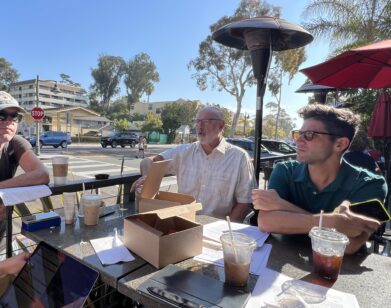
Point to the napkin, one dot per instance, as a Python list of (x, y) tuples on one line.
[(12, 196), (111, 250)]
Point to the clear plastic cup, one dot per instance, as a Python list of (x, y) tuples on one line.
[(69, 207), (237, 257), (328, 248), (60, 169)]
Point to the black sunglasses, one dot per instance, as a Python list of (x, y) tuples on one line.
[(15, 116), (308, 134)]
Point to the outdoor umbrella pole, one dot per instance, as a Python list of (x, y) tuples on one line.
[(261, 60)]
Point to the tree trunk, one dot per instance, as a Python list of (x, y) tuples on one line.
[(239, 100)]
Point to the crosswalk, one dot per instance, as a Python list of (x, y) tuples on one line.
[(87, 168)]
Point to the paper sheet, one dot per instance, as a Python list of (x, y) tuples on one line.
[(278, 290), (111, 250), (214, 230), (12, 196)]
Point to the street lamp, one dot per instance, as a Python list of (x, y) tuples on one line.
[(55, 89)]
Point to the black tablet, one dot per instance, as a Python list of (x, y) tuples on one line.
[(50, 278), (372, 208)]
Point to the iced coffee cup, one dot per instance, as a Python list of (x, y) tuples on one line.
[(237, 251), (328, 248), (60, 169), (69, 207), (90, 208)]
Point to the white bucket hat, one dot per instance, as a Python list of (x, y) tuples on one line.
[(7, 101)]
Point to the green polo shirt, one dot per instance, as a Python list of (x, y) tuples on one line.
[(292, 182)]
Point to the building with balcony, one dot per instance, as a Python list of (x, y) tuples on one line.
[(51, 94)]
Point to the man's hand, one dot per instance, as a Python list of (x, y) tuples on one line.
[(136, 184), (351, 224), (13, 265), (269, 200)]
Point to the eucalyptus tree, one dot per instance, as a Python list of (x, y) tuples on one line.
[(140, 76), (107, 77), (8, 74), (224, 68)]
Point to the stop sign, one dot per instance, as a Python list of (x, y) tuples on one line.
[(37, 113)]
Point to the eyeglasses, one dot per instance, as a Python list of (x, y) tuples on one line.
[(15, 116), (204, 121), (309, 134)]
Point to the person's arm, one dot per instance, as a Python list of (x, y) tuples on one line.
[(13, 265), (239, 211), (245, 184), (358, 228), (35, 172)]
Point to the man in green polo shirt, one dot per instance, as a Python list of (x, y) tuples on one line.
[(320, 180)]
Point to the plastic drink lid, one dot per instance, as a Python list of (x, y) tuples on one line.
[(328, 234)]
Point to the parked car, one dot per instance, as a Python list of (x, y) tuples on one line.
[(249, 146), (93, 133), (278, 146), (119, 138), (52, 138)]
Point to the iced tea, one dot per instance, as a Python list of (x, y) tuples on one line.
[(327, 267), (236, 274)]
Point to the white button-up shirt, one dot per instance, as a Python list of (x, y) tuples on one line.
[(218, 180)]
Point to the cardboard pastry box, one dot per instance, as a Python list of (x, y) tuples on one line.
[(152, 199), (163, 237)]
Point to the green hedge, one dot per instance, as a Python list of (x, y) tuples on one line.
[(86, 139)]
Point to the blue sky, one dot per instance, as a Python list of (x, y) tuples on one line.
[(53, 37)]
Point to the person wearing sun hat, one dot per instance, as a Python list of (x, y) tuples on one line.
[(15, 151)]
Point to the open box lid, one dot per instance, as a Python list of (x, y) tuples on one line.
[(176, 210), (154, 178)]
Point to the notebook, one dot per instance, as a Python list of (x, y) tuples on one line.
[(178, 287), (50, 278)]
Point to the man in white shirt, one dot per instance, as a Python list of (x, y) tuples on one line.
[(216, 173)]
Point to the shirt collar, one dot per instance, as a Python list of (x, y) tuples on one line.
[(300, 174), (221, 148)]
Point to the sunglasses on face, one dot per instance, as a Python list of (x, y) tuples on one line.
[(204, 121), (14, 116), (309, 134)]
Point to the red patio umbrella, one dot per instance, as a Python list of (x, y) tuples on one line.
[(380, 125), (366, 67)]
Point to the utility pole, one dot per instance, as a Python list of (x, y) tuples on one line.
[(37, 143)]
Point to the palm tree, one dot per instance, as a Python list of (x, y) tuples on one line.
[(345, 22)]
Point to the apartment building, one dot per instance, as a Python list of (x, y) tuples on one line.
[(51, 94), (155, 107)]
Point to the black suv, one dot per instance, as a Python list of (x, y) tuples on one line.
[(119, 138)]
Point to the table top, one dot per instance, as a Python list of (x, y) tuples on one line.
[(367, 276), (129, 284), (68, 238)]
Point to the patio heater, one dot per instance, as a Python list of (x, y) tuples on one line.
[(320, 92), (261, 36)]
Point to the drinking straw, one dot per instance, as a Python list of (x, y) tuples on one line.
[(321, 220), (84, 188), (232, 237), (122, 164)]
